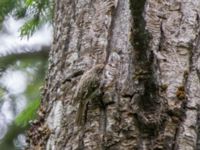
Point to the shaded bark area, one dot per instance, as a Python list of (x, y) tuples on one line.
[(150, 82)]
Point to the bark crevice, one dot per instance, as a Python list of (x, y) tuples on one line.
[(149, 111)]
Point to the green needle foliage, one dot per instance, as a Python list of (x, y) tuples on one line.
[(6, 6), (36, 13)]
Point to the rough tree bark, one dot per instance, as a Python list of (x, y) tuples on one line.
[(150, 85)]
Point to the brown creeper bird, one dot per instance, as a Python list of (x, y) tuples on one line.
[(87, 89)]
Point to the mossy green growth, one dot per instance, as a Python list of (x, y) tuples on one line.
[(28, 114), (141, 75)]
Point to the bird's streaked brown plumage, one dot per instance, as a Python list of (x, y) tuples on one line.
[(86, 88)]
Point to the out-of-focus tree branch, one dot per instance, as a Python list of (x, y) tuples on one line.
[(10, 58)]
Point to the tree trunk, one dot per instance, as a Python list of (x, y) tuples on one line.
[(149, 88)]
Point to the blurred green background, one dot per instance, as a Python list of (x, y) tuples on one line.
[(21, 78), (25, 38)]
